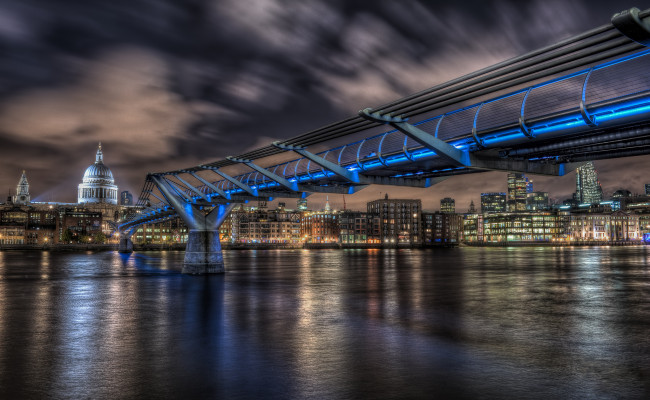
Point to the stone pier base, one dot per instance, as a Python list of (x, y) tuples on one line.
[(126, 245), (203, 253)]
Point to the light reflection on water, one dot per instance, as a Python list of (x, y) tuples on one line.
[(461, 323)]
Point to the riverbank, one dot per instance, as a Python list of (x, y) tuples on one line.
[(309, 246), (555, 244)]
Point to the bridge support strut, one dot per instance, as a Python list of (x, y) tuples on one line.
[(203, 252)]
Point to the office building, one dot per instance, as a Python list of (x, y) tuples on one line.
[(493, 202), (588, 189), (517, 192), (537, 201), (126, 198), (447, 205)]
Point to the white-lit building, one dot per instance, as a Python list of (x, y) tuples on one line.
[(588, 189), (614, 226), (98, 185), (22, 191)]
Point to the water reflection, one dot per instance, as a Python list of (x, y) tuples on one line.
[(461, 323)]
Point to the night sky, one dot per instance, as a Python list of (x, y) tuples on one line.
[(170, 84)]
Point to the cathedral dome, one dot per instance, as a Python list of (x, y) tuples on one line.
[(98, 185), (98, 172)]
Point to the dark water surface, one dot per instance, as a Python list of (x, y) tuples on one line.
[(536, 323)]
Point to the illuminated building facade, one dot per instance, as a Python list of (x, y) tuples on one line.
[(126, 198), (493, 202), (515, 227), (614, 226), (447, 205), (166, 232), (27, 225), (82, 223), (280, 226), (399, 220), (517, 191), (320, 227), (358, 227), (473, 227), (537, 201), (302, 204), (98, 185), (588, 189), (22, 191), (441, 228)]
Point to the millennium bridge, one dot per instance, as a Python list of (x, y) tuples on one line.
[(584, 98)]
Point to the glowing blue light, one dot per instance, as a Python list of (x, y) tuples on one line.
[(622, 113), (499, 139), (558, 126), (393, 160), (646, 237)]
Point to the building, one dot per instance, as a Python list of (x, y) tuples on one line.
[(537, 201), (493, 202), (358, 227), (98, 185), (259, 225), (22, 191), (82, 225), (472, 208), (27, 225), (302, 204), (320, 227), (526, 226), (647, 189), (621, 194), (473, 227), (588, 189), (612, 226), (517, 192), (126, 198), (448, 205), (165, 232), (440, 228), (399, 220)]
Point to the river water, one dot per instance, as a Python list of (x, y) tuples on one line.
[(535, 323)]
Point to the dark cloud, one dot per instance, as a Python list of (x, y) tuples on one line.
[(168, 84)]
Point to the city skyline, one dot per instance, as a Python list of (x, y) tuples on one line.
[(509, 178), (159, 98)]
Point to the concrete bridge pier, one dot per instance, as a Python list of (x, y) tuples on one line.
[(203, 253), (126, 245)]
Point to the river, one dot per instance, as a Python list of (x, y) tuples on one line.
[(471, 322)]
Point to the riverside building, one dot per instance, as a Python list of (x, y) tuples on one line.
[(440, 228), (259, 225), (358, 227), (399, 220)]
